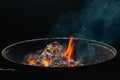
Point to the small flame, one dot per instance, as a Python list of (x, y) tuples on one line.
[(45, 62), (68, 52), (30, 59), (31, 62)]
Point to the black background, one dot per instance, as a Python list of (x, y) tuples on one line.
[(28, 19)]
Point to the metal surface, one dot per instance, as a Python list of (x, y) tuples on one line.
[(87, 51)]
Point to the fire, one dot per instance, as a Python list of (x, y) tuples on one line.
[(31, 62), (68, 52), (29, 59), (45, 62), (52, 53)]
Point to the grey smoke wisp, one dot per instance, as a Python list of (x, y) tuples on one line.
[(98, 20)]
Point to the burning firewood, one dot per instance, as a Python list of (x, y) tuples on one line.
[(54, 56)]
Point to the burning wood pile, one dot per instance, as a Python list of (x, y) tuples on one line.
[(53, 56)]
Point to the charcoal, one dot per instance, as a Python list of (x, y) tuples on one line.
[(53, 53), (57, 60)]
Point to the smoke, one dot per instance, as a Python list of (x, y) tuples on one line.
[(98, 20)]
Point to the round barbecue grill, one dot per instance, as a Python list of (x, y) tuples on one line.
[(88, 52)]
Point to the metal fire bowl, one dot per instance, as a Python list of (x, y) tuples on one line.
[(88, 52)]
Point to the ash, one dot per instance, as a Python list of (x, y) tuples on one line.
[(52, 57)]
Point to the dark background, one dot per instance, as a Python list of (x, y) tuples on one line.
[(28, 19)]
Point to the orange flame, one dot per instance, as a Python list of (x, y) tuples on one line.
[(68, 52), (31, 62), (45, 62)]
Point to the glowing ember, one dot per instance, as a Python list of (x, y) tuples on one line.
[(31, 62), (54, 56), (45, 62)]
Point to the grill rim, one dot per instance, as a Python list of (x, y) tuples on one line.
[(107, 46)]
